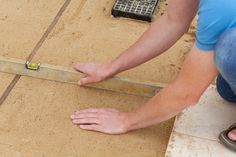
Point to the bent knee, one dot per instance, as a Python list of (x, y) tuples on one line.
[(225, 51)]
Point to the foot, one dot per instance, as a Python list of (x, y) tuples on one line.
[(232, 135)]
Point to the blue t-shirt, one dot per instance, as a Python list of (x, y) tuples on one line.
[(214, 17)]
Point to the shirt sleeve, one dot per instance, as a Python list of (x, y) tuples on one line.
[(208, 32), (214, 18)]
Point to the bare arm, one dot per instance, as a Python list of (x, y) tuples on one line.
[(197, 73), (160, 36)]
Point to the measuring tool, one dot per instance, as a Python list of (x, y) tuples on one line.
[(32, 66), (69, 75)]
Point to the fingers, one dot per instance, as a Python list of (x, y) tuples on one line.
[(86, 80), (105, 120), (88, 116), (86, 68), (92, 127), (80, 67), (93, 72), (86, 121), (83, 115)]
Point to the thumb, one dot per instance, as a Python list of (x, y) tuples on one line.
[(86, 80)]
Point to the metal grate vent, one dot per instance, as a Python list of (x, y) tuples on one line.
[(137, 9)]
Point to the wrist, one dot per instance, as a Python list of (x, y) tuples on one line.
[(112, 69), (129, 121)]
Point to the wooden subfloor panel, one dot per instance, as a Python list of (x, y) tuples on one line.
[(5, 80), (23, 22), (88, 33), (35, 121)]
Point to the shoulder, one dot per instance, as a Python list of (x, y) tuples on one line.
[(213, 19)]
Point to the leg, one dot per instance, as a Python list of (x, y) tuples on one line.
[(225, 90), (225, 58)]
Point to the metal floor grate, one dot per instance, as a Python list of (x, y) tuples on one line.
[(137, 9)]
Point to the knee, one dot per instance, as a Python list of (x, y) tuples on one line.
[(224, 90), (225, 51)]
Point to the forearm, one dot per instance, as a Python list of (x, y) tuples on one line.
[(160, 36), (183, 92), (165, 105)]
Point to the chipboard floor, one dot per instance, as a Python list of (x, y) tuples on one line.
[(35, 117)]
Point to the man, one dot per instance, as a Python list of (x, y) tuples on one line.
[(213, 52)]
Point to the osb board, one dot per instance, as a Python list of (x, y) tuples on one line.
[(35, 121), (88, 33), (196, 130), (5, 80), (23, 22)]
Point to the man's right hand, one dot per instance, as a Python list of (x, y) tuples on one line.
[(93, 72)]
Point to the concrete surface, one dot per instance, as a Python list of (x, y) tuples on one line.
[(196, 130)]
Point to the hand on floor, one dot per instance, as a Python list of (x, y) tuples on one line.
[(93, 72), (106, 120)]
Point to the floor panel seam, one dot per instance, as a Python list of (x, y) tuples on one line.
[(36, 48)]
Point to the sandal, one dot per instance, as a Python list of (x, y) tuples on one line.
[(225, 140)]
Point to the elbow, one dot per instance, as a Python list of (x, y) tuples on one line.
[(182, 25), (192, 100), (188, 99), (187, 95)]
